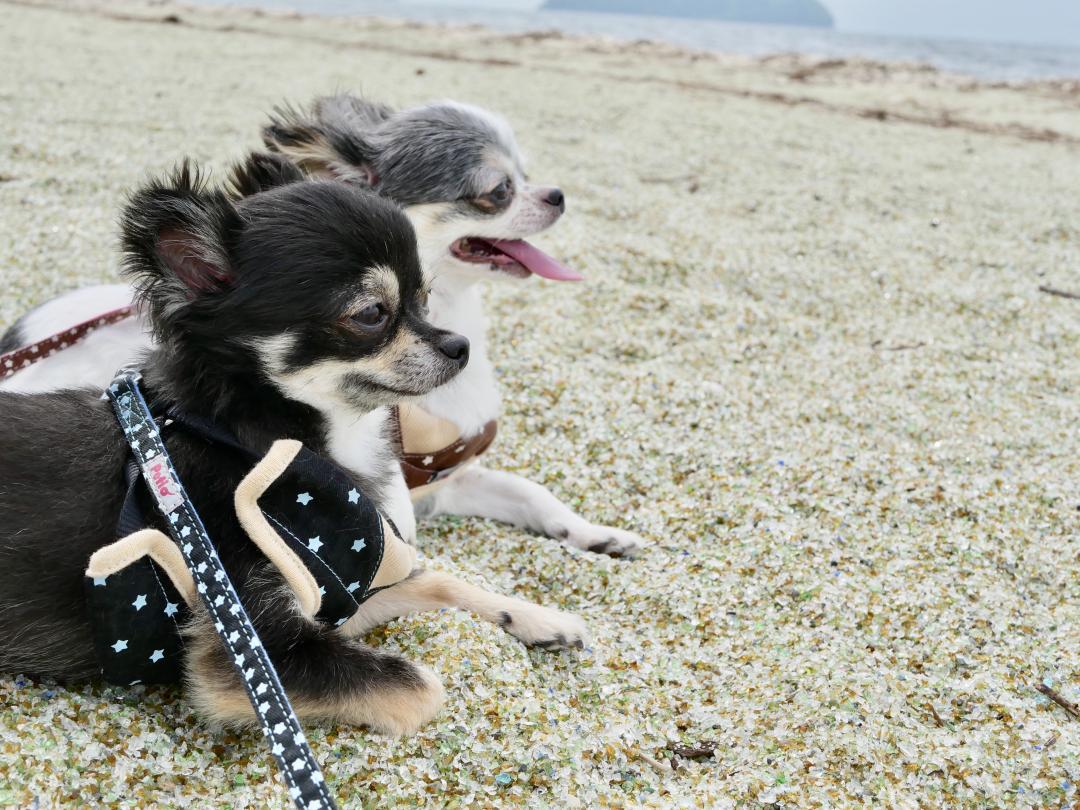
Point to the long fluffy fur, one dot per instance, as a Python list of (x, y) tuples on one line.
[(307, 245)]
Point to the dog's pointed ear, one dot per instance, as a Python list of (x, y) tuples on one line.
[(175, 234), (334, 139), (261, 171)]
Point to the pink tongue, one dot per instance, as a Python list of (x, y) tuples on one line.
[(536, 261)]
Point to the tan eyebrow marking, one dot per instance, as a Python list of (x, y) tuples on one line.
[(380, 285)]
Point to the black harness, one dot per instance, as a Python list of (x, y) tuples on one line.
[(313, 506)]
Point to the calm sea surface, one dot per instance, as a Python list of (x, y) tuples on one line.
[(984, 60)]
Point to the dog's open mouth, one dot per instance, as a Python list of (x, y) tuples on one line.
[(515, 257)]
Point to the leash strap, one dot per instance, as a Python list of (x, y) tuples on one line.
[(307, 787), (21, 358)]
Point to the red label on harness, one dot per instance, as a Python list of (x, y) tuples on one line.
[(163, 484)]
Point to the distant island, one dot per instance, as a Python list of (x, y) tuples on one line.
[(775, 12)]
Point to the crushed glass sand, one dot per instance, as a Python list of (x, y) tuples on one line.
[(811, 362)]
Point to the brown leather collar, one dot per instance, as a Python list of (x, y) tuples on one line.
[(421, 469)]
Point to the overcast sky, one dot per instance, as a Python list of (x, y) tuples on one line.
[(1050, 21)]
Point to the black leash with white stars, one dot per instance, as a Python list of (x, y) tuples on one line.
[(307, 788)]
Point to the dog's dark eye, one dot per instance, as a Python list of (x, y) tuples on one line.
[(370, 317), (497, 199), (501, 193)]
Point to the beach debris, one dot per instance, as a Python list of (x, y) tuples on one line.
[(1058, 292), (1071, 708), (899, 347), (693, 752), (682, 178), (937, 717)]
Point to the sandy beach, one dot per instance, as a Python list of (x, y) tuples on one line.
[(825, 359)]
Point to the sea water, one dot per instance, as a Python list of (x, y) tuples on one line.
[(992, 61)]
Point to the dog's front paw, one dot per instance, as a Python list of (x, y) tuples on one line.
[(607, 540), (401, 710), (546, 628)]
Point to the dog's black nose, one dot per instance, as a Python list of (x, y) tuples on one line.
[(555, 197), (455, 347)]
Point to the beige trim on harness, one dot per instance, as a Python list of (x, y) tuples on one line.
[(398, 559), (145, 542), (423, 432), (255, 483)]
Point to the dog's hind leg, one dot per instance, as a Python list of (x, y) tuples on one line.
[(427, 590), (326, 675), (479, 492)]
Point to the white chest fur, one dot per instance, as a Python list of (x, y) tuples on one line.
[(358, 443)]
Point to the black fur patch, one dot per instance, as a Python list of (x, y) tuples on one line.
[(13, 338), (262, 171)]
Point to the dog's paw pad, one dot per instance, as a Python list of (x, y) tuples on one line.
[(612, 542), (551, 643), (612, 547), (546, 628), (560, 642)]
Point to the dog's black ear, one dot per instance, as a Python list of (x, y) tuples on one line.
[(261, 171), (175, 234), (335, 138)]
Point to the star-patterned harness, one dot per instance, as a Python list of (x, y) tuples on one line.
[(303, 512)]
